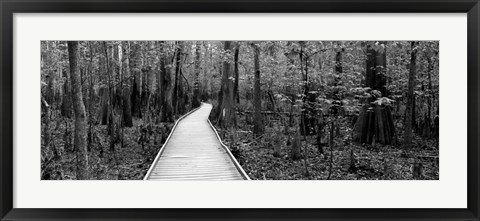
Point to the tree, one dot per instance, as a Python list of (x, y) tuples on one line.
[(410, 95), (196, 85), (258, 127), (430, 118), (164, 86), (375, 123), (178, 95), (127, 105), (235, 88), (50, 92), (146, 77), (80, 141), (226, 114), (66, 106), (107, 98), (135, 71), (307, 122)]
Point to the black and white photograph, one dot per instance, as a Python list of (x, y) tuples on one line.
[(239, 110)]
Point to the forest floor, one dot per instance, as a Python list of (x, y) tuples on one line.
[(380, 162), (130, 162), (256, 155)]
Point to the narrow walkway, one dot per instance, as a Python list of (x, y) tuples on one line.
[(193, 151)]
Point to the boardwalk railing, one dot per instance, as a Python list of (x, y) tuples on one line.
[(194, 151), (235, 162)]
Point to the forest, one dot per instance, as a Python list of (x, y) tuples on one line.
[(286, 110)]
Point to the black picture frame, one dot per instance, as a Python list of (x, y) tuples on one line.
[(9, 7)]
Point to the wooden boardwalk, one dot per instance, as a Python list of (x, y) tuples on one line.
[(194, 151)]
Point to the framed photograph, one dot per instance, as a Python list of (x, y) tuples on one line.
[(199, 110)]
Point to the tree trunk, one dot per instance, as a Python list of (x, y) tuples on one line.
[(307, 121), (104, 111), (146, 78), (182, 95), (219, 108), (127, 110), (110, 116), (66, 107), (320, 125), (135, 64), (127, 106), (165, 82), (337, 95), (227, 114), (375, 123), (146, 89), (258, 127), (80, 141), (338, 61), (296, 145), (410, 96), (46, 130), (177, 88), (50, 94), (429, 129), (165, 86), (235, 88), (51, 75), (196, 84), (332, 145)]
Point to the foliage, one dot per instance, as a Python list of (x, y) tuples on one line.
[(305, 85)]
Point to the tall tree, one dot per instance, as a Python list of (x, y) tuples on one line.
[(51, 75), (375, 123), (338, 61), (164, 86), (376, 67), (135, 71), (196, 84), (337, 91), (80, 141), (178, 100), (430, 127), (258, 127), (104, 111), (110, 110), (226, 109), (147, 78), (235, 88), (47, 98), (127, 105), (66, 106), (307, 123), (410, 95)]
